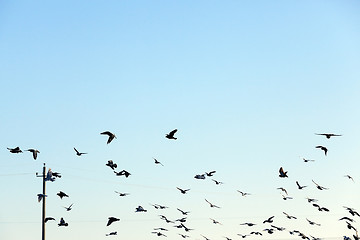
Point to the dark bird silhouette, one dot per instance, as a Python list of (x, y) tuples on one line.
[(320, 209), (215, 221), (15, 150), (347, 219), (157, 162), (56, 174), (62, 194), (200, 176), (160, 229), (159, 234), (286, 197), (123, 172), (111, 234), (205, 237), (308, 160), (212, 205), (349, 177), (79, 153), (210, 174), (171, 134), (183, 235), (69, 207), (352, 211), (217, 182), (269, 230), (319, 187), (244, 194), (111, 220), (282, 173), (323, 148), (181, 219), (299, 186), (183, 212), (185, 228), (269, 220), (311, 200), (48, 219), (110, 135), (140, 209), (122, 194), (243, 236), (34, 152), (289, 216), (313, 223), (111, 164), (349, 226), (183, 191), (283, 189), (256, 233), (248, 224), (63, 223), (41, 196), (328, 135)]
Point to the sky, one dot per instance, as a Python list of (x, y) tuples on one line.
[(246, 83)]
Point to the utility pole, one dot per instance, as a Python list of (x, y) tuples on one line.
[(43, 203)]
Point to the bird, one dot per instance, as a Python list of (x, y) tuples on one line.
[(63, 223), (56, 174), (349, 177), (256, 233), (205, 237), (111, 220), (171, 134), (159, 234), (183, 191), (269, 230), (215, 221), (278, 228), (157, 162), (311, 200), (320, 209), (183, 235), (62, 194), (212, 205), (111, 234), (286, 197), (34, 152), (200, 176), (15, 150), (308, 160), (313, 223), (269, 220), (347, 218), (352, 211), (69, 208), (283, 189), (41, 196), (248, 224), (319, 187), (210, 174), (123, 172), (140, 209), (217, 182), (161, 229), (282, 173), (328, 135), (183, 219), (111, 164), (299, 186), (110, 134), (323, 148), (243, 236), (185, 228), (244, 194), (48, 219), (122, 194), (289, 216), (183, 212), (79, 153)]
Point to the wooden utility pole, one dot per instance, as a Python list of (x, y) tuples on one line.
[(43, 203)]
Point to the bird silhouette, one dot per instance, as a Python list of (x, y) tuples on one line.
[(311, 200), (269, 220), (122, 194), (212, 205), (248, 224), (282, 173), (319, 187), (62, 194), (123, 173), (299, 186), (15, 150), (111, 164), (183, 191), (140, 209), (328, 135), (283, 189), (215, 221), (79, 153), (349, 177), (34, 152), (200, 176), (244, 194), (49, 219), (69, 207), (313, 223), (110, 135), (323, 148), (41, 196), (111, 220), (286, 197), (183, 212), (171, 134), (157, 162), (111, 234), (308, 160), (62, 223), (210, 174), (217, 182), (159, 234), (289, 216)]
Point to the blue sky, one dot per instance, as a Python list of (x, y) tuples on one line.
[(246, 83)]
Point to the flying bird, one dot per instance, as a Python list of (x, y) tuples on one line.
[(328, 135), (212, 205), (34, 152), (111, 234), (215, 221), (269, 220), (69, 208), (41, 196), (183, 212), (170, 135), (111, 220), (313, 223), (48, 219), (111, 164), (283, 189), (210, 174), (123, 172), (122, 194), (323, 148), (62, 194), (248, 224), (289, 216), (217, 182), (79, 153), (159, 234), (63, 223), (319, 187), (349, 177), (308, 160), (110, 135), (140, 209), (157, 162), (183, 191), (299, 186), (200, 176), (244, 194), (282, 173), (286, 197), (15, 150)]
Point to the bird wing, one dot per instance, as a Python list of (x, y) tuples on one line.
[(173, 132)]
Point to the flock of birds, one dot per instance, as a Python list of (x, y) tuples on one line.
[(267, 226)]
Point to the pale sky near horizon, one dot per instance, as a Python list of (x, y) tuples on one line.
[(246, 83)]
